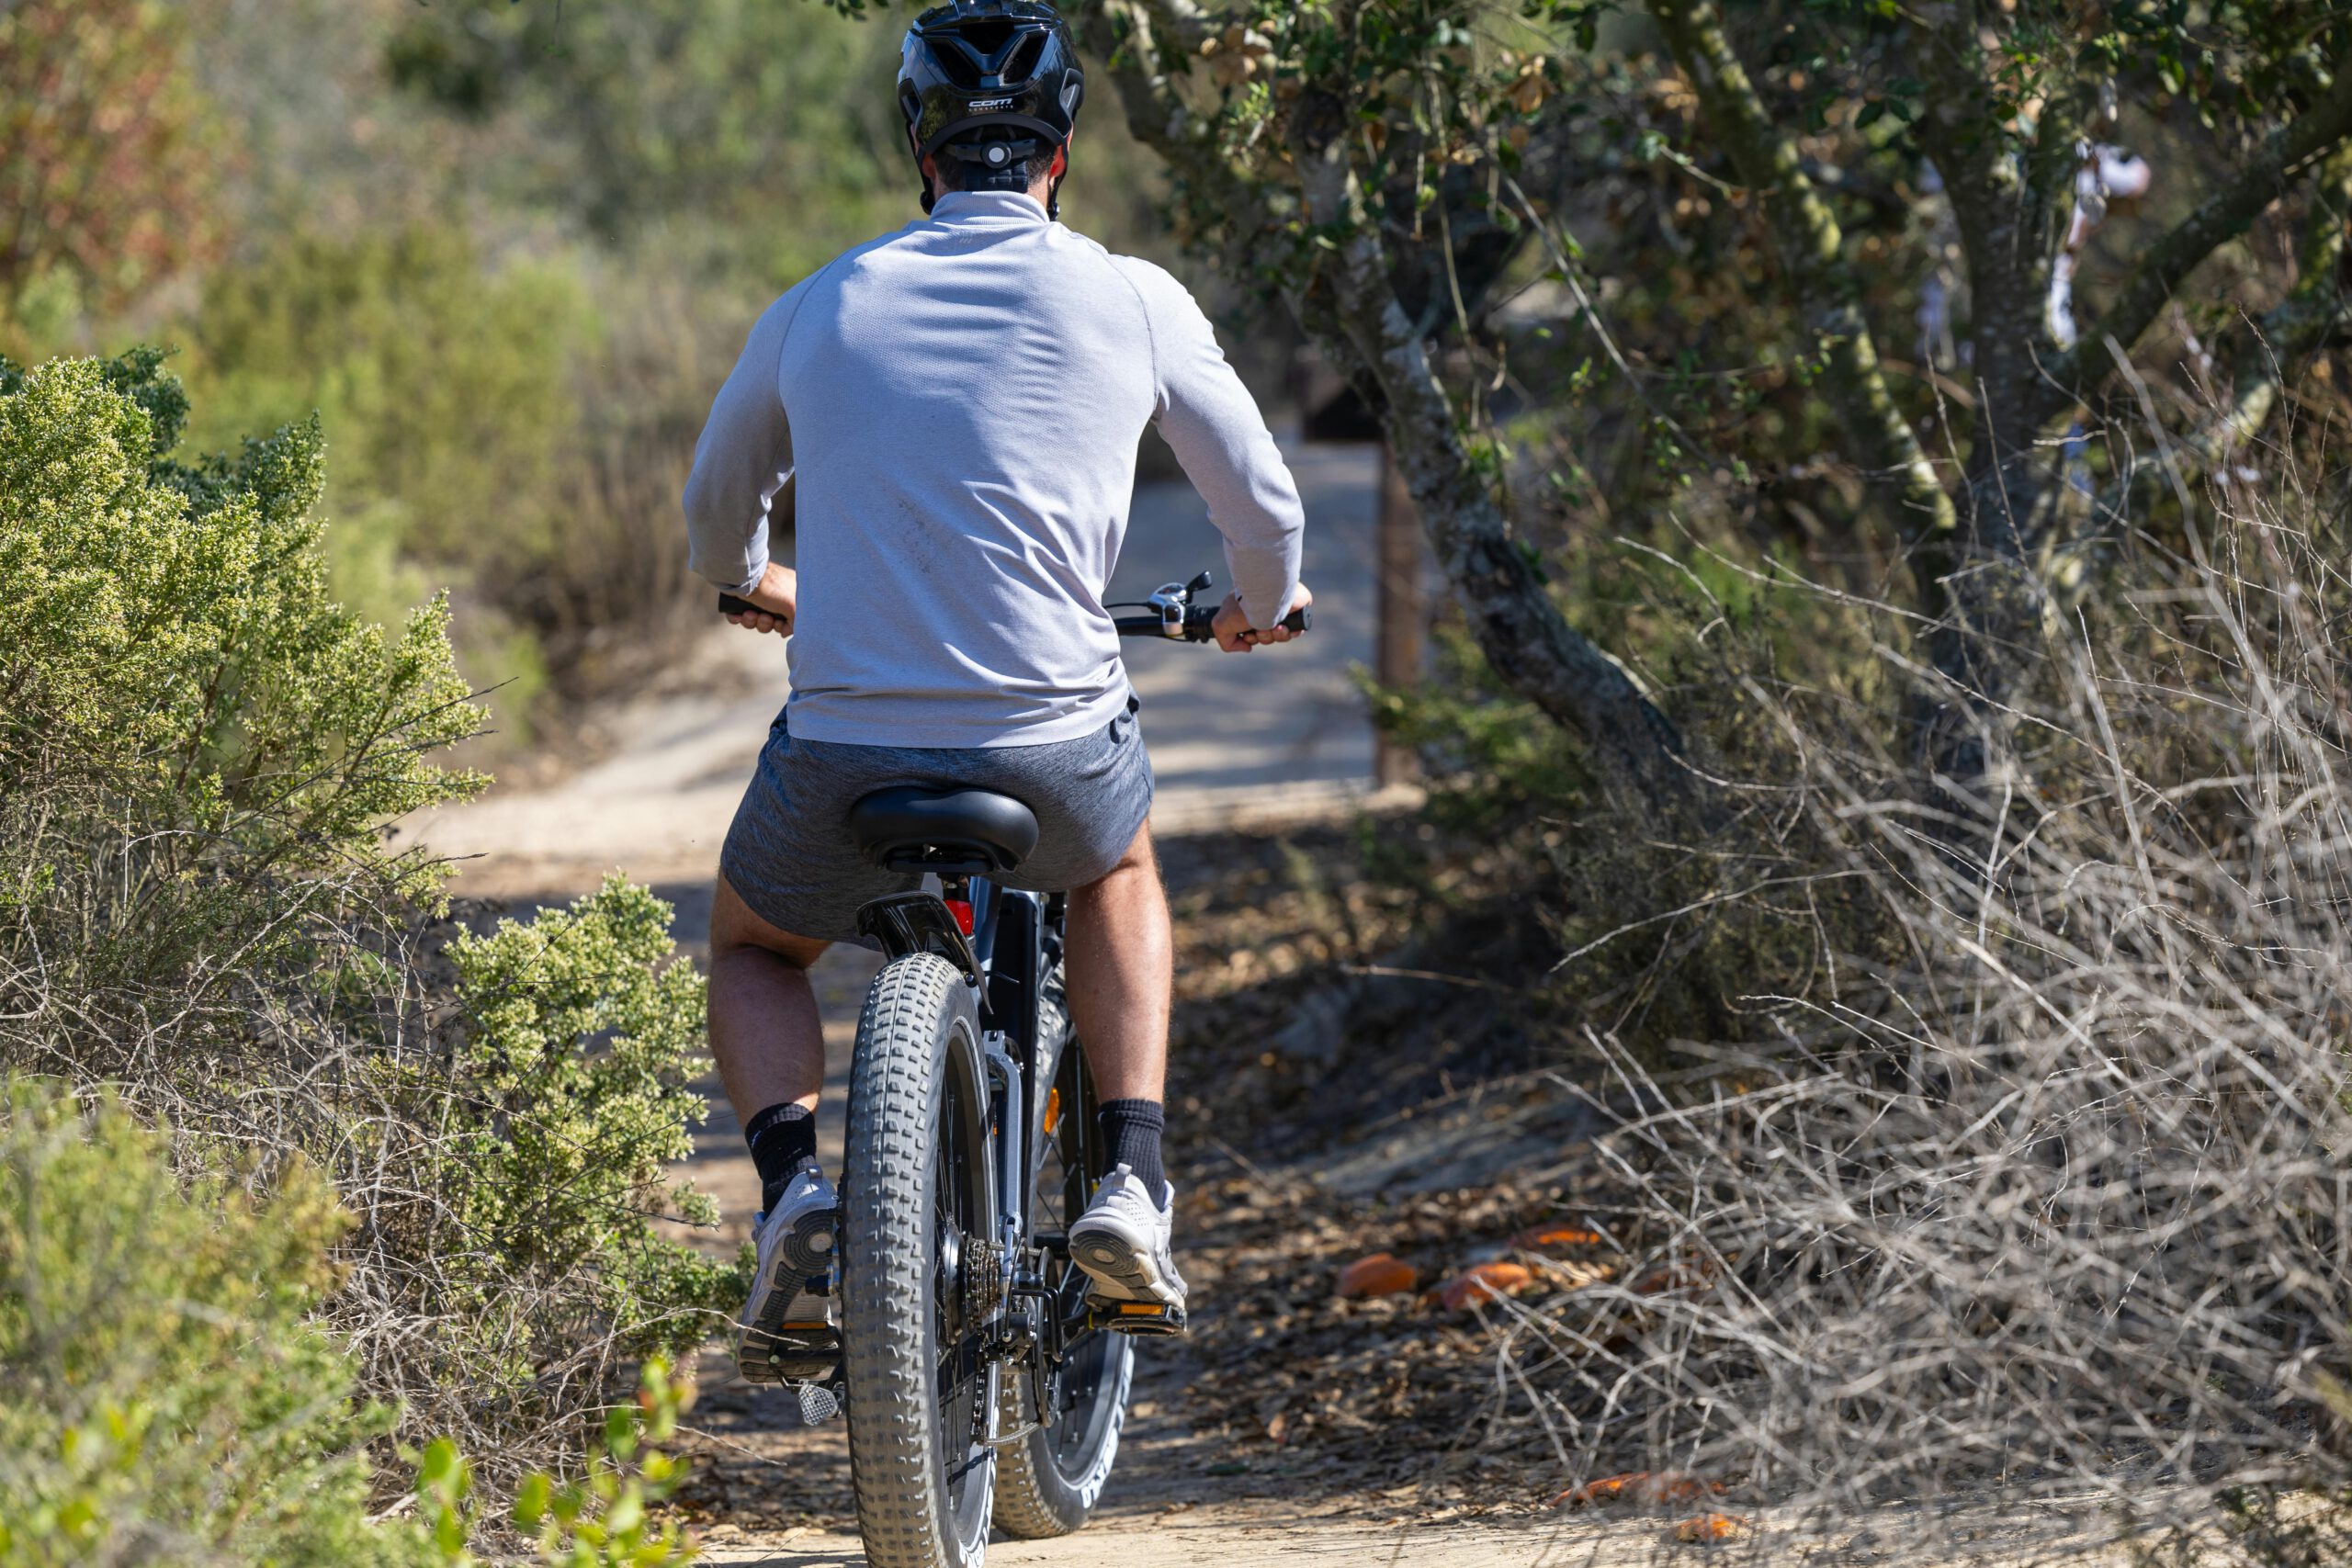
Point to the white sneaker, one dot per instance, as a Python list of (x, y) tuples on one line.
[(790, 1333), (1125, 1242)]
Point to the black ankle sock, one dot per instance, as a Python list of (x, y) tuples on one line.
[(783, 1139), (1132, 1129)]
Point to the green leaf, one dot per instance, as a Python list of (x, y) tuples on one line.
[(440, 1466), (531, 1501)]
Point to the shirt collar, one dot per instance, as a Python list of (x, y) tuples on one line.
[(964, 206)]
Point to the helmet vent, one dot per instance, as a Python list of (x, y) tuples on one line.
[(989, 35), (1024, 63), (959, 67)]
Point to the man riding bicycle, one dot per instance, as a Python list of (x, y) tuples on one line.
[(947, 417)]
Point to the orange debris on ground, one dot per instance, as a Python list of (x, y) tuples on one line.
[(1708, 1528), (1638, 1486), (1485, 1282), (1382, 1274), (1543, 1238), (1673, 1276)]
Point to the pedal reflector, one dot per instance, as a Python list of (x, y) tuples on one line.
[(818, 1403), (1136, 1317)]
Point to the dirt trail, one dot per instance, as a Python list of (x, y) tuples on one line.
[(1231, 744)]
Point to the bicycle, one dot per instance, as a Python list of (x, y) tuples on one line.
[(982, 1384)]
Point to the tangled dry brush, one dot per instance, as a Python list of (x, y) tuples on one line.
[(2045, 1195)]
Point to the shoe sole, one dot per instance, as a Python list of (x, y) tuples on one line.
[(1121, 1271), (774, 1347)]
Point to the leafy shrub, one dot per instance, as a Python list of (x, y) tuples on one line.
[(164, 1397), (195, 744), (604, 1517), (499, 432), (507, 1258), (167, 1397), (196, 750), (577, 1030), (445, 380)]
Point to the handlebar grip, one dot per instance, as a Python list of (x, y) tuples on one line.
[(1200, 619), (733, 605)]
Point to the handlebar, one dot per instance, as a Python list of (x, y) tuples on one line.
[(1198, 618), (1196, 623)]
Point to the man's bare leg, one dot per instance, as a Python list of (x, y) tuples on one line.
[(1119, 968), (765, 1034), (771, 1052)]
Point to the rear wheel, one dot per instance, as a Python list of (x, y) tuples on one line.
[(918, 1214), (1048, 1482)]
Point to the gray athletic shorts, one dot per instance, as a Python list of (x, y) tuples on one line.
[(789, 855)]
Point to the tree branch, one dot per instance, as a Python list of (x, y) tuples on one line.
[(2223, 215), (1806, 235), (2316, 314), (1350, 305)]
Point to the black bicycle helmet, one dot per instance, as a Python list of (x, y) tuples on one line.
[(975, 64)]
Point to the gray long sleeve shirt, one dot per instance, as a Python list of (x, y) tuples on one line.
[(950, 415)]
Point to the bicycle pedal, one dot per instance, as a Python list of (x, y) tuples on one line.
[(820, 1403), (795, 1352), (1136, 1317)]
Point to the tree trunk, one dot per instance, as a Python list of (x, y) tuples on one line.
[(1403, 617)]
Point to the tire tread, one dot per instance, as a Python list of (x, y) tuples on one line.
[(893, 1394)]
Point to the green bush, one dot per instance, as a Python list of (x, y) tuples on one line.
[(197, 744), (502, 429), (559, 1093), (604, 1519), (167, 1397), (164, 1397), (198, 749), (449, 388), (443, 380)]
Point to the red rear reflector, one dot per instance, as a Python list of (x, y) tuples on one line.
[(962, 910)]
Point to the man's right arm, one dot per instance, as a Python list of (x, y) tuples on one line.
[(1212, 426), (744, 463)]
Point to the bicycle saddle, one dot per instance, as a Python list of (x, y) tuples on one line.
[(965, 831)]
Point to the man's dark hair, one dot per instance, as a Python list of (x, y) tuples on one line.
[(1017, 174)]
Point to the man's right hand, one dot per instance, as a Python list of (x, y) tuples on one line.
[(778, 595), (1234, 633)]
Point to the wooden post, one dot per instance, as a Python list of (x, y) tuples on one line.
[(1401, 611)]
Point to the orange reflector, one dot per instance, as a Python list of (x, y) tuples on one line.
[(1132, 1309), (962, 910), (1053, 1110)]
